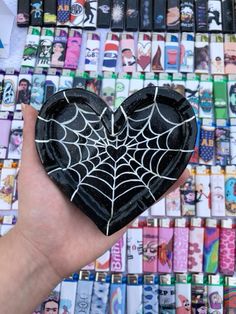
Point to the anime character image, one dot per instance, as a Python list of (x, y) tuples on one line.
[(8, 96), (37, 9), (108, 94), (215, 301), (150, 251), (165, 252), (185, 307), (15, 143)]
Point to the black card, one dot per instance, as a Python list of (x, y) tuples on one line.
[(173, 15), (146, 15), (104, 13), (36, 12), (117, 15), (132, 15), (50, 13), (201, 16), (187, 15), (228, 16), (23, 10)]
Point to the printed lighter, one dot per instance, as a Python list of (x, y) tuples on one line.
[(68, 296), (145, 15), (92, 52), (187, 194), (181, 242), (233, 145), (192, 91), (227, 248), (31, 47), (59, 48), (187, 53), (165, 246), (220, 97), (207, 144), (214, 16), (230, 186), (108, 89), (230, 53), (178, 83), (51, 86), (118, 15), (173, 206), (1, 86), (159, 15), (217, 191), (73, 49), (196, 241), (128, 53), (231, 96), (23, 90), (166, 294), (136, 82), (90, 14), (183, 293), (90, 266), (117, 299), (187, 19), (63, 12), (77, 10), (150, 294), (206, 97), (228, 16), (199, 294), (132, 15), (94, 83), (172, 53), (36, 12), (215, 294), (222, 141), (37, 91), (135, 250), (230, 295), (23, 10), (80, 79), (8, 175), (118, 256), (122, 88), (217, 54), (5, 127), (51, 303), (110, 56), (158, 52), (103, 262), (134, 294), (150, 79), (9, 94), (211, 247), (45, 48), (84, 292), (159, 208), (203, 202), (173, 15), (150, 242), (202, 58), (66, 81), (100, 295), (201, 16), (15, 140), (50, 13), (144, 52), (104, 14)]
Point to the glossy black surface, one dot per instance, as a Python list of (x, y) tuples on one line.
[(114, 166)]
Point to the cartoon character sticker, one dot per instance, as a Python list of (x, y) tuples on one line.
[(185, 307)]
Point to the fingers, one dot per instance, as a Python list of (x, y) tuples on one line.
[(29, 153)]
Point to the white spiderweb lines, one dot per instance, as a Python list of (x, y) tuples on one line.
[(114, 169)]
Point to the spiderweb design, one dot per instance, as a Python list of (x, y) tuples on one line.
[(119, 172)]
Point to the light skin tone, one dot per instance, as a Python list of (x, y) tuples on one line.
[(51, 239)]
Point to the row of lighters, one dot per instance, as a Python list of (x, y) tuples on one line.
[(101, 293), (208, 192), (157, 52)]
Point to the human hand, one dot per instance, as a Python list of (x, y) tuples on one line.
[(51, 224)]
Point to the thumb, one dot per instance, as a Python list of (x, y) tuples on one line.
[(29, 153)]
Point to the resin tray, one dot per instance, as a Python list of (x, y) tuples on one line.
[(115, 165)]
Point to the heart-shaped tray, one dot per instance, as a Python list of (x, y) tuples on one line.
[(114, 165)]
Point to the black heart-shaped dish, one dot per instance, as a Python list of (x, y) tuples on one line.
[(114, 165)]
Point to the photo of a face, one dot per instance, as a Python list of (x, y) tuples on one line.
[(23, 92), (51, 307), (58, 54), (16, 140)]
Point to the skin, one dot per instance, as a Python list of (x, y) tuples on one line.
[(51, 239)]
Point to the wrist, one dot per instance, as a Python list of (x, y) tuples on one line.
[(28, 271)]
